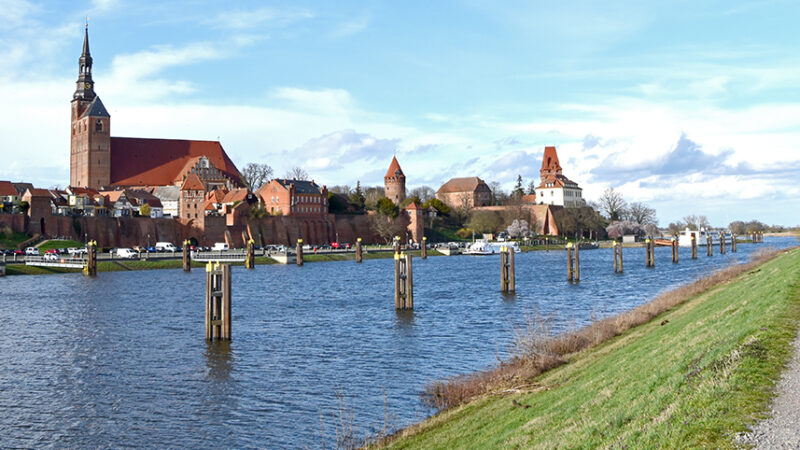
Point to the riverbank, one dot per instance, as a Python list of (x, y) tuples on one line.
[(694, 375), (155, 264)]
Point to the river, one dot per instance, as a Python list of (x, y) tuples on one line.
[(121, 360)]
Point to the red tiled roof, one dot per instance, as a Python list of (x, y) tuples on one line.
[(7, 189), (216, 195), (394, 167), (413, 205), (36, 192), (158, 162), (193, 183), (112, 196), (468, 184), (236, 195)]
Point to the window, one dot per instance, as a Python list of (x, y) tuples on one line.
[(98, 126)]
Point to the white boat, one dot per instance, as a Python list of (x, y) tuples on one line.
[(484, 247), (685, 237)]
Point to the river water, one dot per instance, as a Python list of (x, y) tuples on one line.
[(121, 360)]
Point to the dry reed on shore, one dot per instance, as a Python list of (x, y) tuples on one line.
[(536, 350)]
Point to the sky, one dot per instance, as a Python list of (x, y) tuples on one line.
[(692, 107)]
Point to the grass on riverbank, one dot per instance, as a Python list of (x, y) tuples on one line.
[(693, 376), (54, 243)]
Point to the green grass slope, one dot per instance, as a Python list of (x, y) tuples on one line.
[(696, 380)]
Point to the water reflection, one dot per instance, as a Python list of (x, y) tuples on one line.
[(219, 360)]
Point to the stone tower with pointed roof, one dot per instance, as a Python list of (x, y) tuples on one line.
[(90, 140), (395, 183)]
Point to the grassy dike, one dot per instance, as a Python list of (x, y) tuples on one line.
[(693, 376)]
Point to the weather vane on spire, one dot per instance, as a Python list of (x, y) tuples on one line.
[(87, 22)]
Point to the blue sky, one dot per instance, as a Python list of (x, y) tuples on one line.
[(692, 107)]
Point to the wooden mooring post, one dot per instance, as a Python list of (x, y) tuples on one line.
[(709, 246), (649, 251), (674, 243), (424, 248), (570, 262), (359, 254), (722, 243), (733, 243), (187, 260), (299, 252), (218, 301), (91, 259), (403, 282), (617, 257), (250, 259), (694, 246), (508, 274), (577, 262)]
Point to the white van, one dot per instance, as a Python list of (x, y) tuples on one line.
[(32, 251), (165, 247), (220, 246), (127, 253)]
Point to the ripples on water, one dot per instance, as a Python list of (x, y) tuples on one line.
[(121, 360)]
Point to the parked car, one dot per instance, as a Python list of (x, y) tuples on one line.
[(53, 251), (126, 253), (32, 251), (166, 247), (220, 246), (51, 257), (151, 249), (19, 252)]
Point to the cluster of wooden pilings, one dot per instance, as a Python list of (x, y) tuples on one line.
[(573, 262), (674, 247), (650, 252), (403, 281), (91, 259), (618, 268), (721, 243), (757, 237), (508, 274), (218, 301)]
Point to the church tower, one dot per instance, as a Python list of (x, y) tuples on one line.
[(395, 183), (90, 140)]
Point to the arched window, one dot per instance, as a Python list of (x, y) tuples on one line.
[(98, 126)]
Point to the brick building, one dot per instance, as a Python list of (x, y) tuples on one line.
[(395, 183), (465, 193), (98, 160), (294, 198)]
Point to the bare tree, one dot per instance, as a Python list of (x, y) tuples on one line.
[(424, 193), (612, 205), (297, 173), (640, 213), (498, 196), (696, 222), (254, 175)]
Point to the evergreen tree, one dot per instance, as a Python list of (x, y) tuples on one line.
[(531, 188), (357, 197), (518, 191)]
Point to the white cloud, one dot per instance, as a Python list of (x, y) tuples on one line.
[(351, 27), (248, 19)]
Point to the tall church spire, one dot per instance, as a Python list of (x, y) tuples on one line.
[(85, 85)]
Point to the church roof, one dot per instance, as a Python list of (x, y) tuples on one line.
[(193, 183), (393, 168), (158, 162), (96, 109), (466, 184)]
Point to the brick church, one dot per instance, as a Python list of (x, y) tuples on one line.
[(102, 162)]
